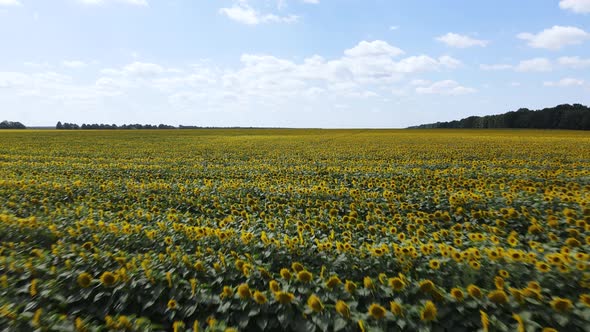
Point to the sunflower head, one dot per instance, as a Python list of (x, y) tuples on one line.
[(395, 308), (426, 286), (108, 278), (376, 311), (397, 284), (474, 291), (333, 281), (314, 303), (284, 297), (457, 294), (259, 297), (434, 264), (84, 279), (172, 304), (274, 286), (498, 296), (286, 274), (304, 276), (343, 309), (561, 305), (244, 291), (485, 321), (428, 312), (350, 286)]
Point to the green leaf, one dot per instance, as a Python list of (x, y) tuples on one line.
[(340, 324), (262, 322)]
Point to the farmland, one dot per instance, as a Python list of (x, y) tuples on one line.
[(346, 230)]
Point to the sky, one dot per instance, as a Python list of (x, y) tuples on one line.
[(288, 63)]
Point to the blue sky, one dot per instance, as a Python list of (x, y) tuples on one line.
[(290, 63)]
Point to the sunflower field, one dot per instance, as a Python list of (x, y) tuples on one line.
[(295, 230)]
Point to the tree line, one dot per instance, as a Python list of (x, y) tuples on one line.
[(96, 126), (12, 125), (564, 116)]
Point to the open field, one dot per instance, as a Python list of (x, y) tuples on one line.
[(300, 230)]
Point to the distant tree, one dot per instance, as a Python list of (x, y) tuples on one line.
[(11, 125), (564, 116), (59, 125)]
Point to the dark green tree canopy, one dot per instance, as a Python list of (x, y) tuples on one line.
[(564, 116)]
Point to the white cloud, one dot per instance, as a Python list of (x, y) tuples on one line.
[(101, 2), (449, 62), (143, 69), (577, 6), (372, 49), (259, 83), (10, 3), (535, 64), (419, 82), (499, 66), (245, 14), (565, 82), (556, 37), (461, 41), (394, 27), (574, 62), (12, 79), (74, 64), (314, 2), (446, 87), (422, 63)]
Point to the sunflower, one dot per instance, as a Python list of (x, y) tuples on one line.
[(304, 276), (376, 311), (428, 312), (549, 329), (585, 299), (498, 296), (561, 305), (517, 294), (285, 274), (350, 286), (457, 294), (397, 284), (244, 291), (274, 286), (172, 304), (297, 267), (543, 267), (474, 291), (395, 308), (504, 274), (84, 279), (227, 292), (108, 278), (434, 264), (343, 309), (178, 326), (259, 297), (314, 303), (284, 297), (520, 322), (426, 286), (485, 321), (35, 321), (333, 281), (534, 285), (499, 282), (368, 283)]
